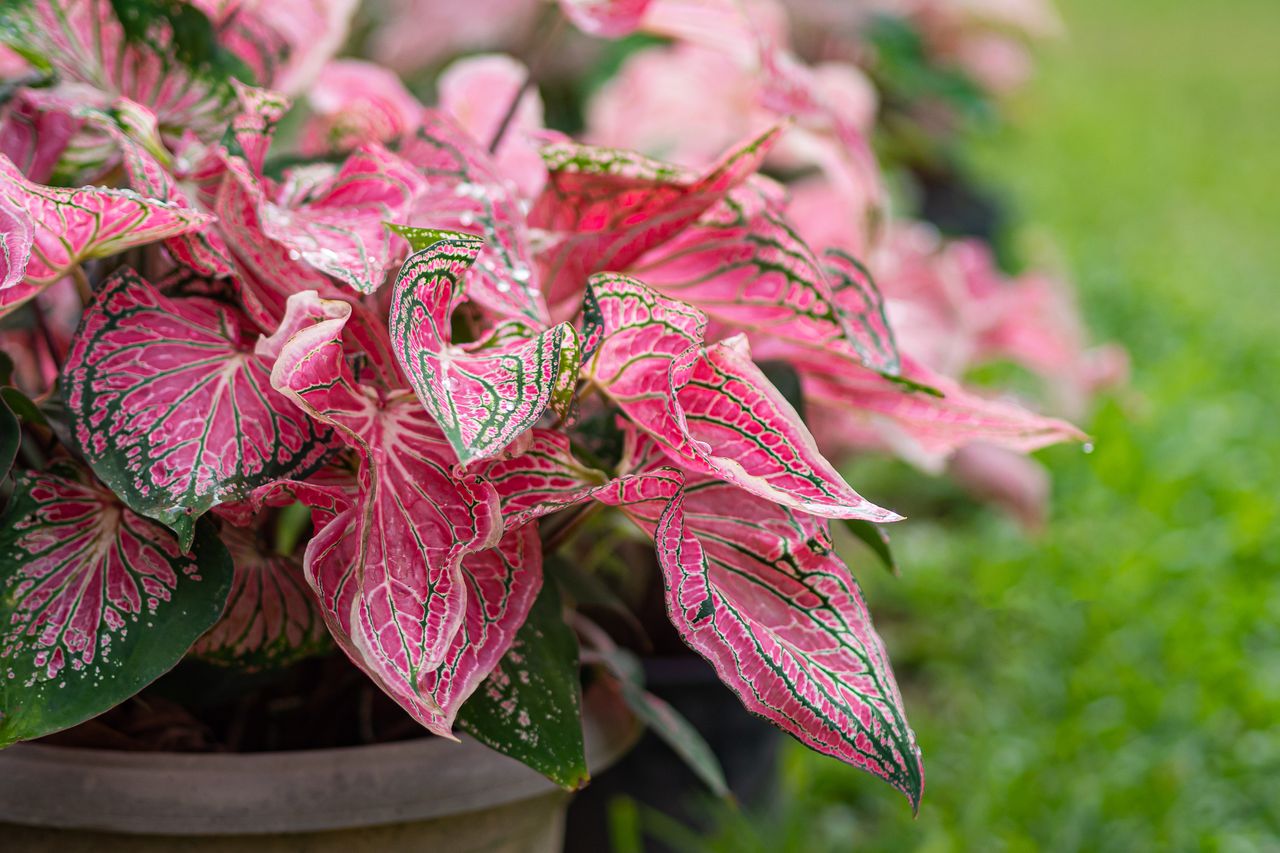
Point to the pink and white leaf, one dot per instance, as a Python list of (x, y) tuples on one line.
[(709, 407), (388, 570), (477, 91), (924, 428), (747, 268), (70, 226), (354, 102), (173, 409), (756, 589), (483, 395), (605, 208)]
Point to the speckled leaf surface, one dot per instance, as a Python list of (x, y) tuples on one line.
[(710, 407), (757, 590), (530, 706), (172, 407), (95, 602), (416, 580), (69, 226), (149, 166), (272, 617), (483, 395)]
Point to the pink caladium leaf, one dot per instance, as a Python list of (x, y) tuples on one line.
[(396, 573), (607, 207), (284, 42), (709, 407), (149, 165), (272, 617), (35, 131), (69, 226), (466, 191), (164, 57), (336, 225), (173, 409), (746, 267), (483, 395), (756, 589), (605, 18), (924, 428), (353, 102), (18, 234), (95, 601)]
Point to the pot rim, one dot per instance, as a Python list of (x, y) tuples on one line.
[(174, 793)]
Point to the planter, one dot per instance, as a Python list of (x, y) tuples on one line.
[(419, 794)]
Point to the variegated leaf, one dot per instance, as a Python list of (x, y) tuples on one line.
[(18, 235), (466, 191), (530, 705), (396, 573), (148, 163), (163, 55), (95, 602), (608, 207), (757, 590), (173, 409), (711, 408), (746, 267), (272, 617), (483, 395), (925, 428), (69, 226)]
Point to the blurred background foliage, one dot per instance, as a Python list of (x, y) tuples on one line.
[(1113, 684)]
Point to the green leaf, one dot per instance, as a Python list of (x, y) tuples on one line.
[(874, 537), (666, 722), (95, 602), (10, 438), (530, 707)]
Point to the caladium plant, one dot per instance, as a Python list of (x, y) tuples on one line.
[(452, 363)]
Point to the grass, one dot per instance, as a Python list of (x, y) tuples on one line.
[(1115, 684)]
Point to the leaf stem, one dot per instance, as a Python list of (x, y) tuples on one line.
[(42, 326), (82, 284), (540, 53)]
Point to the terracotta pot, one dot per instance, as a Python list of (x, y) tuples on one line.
[(424, 794)]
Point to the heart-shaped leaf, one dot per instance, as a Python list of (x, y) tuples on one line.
[(164, 55), (96, 602), (416, 580), (924, 428), (174, 410), (483, 395)]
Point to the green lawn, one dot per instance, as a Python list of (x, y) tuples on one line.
[(1114, 685)]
